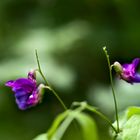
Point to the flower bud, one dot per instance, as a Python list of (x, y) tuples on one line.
[(41, 91), (117, 67)]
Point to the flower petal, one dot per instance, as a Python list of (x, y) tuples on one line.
[(129, 71), (136, 79), (26, 91), (21, 99), (33, 99), (24, 84), (10, 83), (22, 105), (136, 62)]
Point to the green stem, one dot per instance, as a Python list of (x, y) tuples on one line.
[(47, 84), (112, 87), (59, 99), (39, 68), (84, 105), (102, 116)]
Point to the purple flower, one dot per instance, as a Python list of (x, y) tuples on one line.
[(128, 72), (27, 93)]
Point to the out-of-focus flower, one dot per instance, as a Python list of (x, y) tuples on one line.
[(27, 93), (128, 72)]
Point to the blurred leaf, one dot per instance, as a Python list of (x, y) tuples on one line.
[(53, 128), (56, 123), (65, 119), (130, 124), (132, 111), (88, 126), (131, 130), (63, 127), (41, 137)]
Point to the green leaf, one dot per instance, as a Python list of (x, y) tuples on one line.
[(41, 137), (88, 126), (65, 124), (132, 111), (56, 123), (130, 124), (52, 130), (64, 120), (131, 129)]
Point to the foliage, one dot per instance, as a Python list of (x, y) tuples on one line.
[(62, 122), (121, 130), (130, 124), (69, 36)]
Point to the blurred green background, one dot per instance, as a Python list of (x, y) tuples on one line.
[(69, 36)]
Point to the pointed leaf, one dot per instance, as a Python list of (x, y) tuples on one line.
[(88, 126), (41, 137), (56, 123)]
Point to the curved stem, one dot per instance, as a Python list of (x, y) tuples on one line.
[(59, 99), (39, 68), (112, 87), (84, 105), (102, 116), (47, 84)]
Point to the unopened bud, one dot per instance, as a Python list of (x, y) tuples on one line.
[(117, 67), (41, 91)]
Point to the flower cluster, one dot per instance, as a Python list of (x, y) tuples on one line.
[(27, 94)]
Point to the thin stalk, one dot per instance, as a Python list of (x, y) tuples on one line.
[(47, 84), (84, 105), (59, 99), (112, 87), (39, 68), (102, 116)]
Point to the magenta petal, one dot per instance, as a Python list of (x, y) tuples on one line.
[(26, 91), (33, 98), (10, 83), (23, 81), (136, 78), (136, 62), (129, 72), (24, 84)]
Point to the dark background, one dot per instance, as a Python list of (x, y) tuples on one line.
[(69, 36)]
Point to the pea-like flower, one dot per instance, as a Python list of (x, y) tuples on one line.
[(27, 93), (128, 72)]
